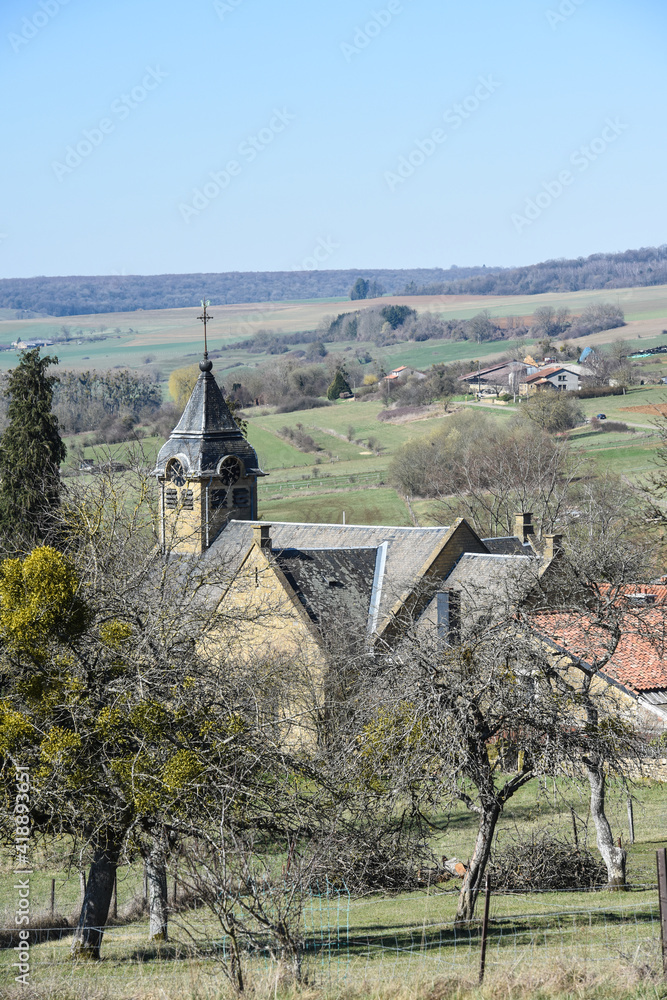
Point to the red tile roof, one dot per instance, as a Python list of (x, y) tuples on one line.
[(638, 662)]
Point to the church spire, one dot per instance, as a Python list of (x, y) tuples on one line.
[(207, 471)]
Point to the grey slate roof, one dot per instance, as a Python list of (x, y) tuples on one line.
[(511, 545), (407, 549), (334, 585), (206, 433), (493, 580)]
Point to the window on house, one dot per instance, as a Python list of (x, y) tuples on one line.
[(562, 378), (448, 610), (170, 499), (188, 500)]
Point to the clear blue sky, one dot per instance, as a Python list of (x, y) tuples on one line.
[(316, 105)]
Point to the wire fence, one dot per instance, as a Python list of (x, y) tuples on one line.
[(314, 480), (414, 936)]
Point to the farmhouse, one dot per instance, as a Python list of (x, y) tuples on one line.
[(503, 377), (553, 377)]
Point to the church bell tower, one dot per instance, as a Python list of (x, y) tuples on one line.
[(207, 472)]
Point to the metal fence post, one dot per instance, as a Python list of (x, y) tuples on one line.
[(661, 857), (53, 896), (485, 929)]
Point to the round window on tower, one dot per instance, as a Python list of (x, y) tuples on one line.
[(229, 470)]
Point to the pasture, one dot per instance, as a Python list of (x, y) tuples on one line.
[(358, 945)]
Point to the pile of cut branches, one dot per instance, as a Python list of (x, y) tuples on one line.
[(545, 863)]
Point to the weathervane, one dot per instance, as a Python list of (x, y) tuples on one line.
[(205, 318)]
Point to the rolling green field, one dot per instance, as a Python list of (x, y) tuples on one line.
[(348, 477), (165, 339), (351, 442)]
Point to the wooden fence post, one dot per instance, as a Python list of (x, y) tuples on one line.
[(661, 856), (53, 896), (631, 820), (485, 929), (115, 896)]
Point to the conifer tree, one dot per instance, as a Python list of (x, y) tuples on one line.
[(31, 449), (338, 385)]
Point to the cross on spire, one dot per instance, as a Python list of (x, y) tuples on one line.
[(205, 317)]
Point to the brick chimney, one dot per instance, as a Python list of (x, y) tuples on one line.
[(523, 526), (552, 546), (261, 536)]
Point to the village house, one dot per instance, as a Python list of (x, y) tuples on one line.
[(554, 377), (401, 374)]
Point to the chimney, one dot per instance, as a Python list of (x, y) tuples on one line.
[(261, 536), (552, 546), (523, 526)]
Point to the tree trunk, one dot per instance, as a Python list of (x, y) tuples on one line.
[(156, 870), (613, 856), (96, 902), (472, 882)]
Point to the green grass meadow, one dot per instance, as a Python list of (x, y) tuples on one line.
[(564, 944)]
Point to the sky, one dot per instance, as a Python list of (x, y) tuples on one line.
[(165, 136)]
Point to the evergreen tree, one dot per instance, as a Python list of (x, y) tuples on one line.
[(31, 449), (360, 289), (338, 385)]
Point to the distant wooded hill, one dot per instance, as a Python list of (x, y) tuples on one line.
[(76, 296), (79, 296), (647, 266)]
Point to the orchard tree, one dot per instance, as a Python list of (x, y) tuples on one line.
[(31, 450), (552, 410), (115, 689)]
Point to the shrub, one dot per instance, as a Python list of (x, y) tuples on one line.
[(594, 391), (611, 425), (293, 403), (400, 411), (298, 437)]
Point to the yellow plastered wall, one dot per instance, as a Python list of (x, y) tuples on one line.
[(264, 624)]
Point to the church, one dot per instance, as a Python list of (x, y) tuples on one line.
[(304, 589), (369, 576)]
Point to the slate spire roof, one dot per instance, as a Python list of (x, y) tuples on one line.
[(206, 433)]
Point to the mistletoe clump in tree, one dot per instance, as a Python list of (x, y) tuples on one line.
[(31, 449)]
